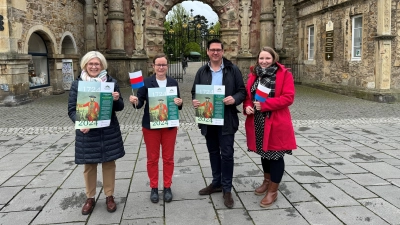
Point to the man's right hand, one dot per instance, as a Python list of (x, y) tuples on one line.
[(195, 103)]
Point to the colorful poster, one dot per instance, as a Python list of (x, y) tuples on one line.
[(94, 104), (211, 108), (67, 73), (163, 111)]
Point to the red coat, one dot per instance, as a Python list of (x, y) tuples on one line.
[(278, 129)]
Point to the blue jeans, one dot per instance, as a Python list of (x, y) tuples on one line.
[(220, 148)]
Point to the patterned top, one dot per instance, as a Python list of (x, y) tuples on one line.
[(259, 121)]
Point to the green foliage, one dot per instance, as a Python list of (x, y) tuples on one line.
[(191, 47), (216, 28), (184, 34)]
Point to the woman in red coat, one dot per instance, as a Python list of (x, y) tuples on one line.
[(269, 128)]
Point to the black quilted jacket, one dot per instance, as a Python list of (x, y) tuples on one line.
[(100, 144)]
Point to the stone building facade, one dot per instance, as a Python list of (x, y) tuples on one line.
[(37, 36), (347, 46)]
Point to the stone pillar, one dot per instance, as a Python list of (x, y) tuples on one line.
[(116, 26), (5, 34), (267, 23), (279, 18), (14, 83), (90, 27), (383, 45), (245, 15), (138, 18)]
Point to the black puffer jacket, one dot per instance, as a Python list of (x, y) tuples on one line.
[(100, 144), (233, 81)]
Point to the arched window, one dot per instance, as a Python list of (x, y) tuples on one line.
[(38, 68)]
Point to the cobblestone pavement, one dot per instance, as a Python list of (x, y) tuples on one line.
[(311, 107), (346, 169)]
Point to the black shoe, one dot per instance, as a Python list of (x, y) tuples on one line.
[(209, 190), (167, 195), (154, 195)]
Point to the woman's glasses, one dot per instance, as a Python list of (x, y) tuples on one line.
[(94, 64)]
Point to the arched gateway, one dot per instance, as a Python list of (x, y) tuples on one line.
[(130, 32)]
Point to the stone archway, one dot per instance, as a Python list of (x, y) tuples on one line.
[(130, 32), (229, 12)]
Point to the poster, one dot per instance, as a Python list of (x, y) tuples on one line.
[(94, 104), (211, 108), (67, 73), (162, 109)]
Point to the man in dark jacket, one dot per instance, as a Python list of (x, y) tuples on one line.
[(220, 139)]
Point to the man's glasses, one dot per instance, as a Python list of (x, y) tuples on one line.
[(217, 50), (94, 64), (161, 65)]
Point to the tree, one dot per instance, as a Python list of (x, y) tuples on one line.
[(176, 16), (191, 47), (181, 29)]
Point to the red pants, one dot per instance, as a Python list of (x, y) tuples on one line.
[(154, 138)]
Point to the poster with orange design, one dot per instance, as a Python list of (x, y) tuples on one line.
[(211, 108)]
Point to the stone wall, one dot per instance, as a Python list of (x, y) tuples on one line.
[(290, 32), (58, 16), (53, 21)]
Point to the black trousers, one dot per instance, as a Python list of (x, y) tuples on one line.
[(275, 168)]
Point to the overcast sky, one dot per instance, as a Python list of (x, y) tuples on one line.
[(199, 8)]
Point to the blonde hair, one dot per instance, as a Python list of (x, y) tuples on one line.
[(93, 54), (275, 56)]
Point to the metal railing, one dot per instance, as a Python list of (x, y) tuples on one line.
[(296, 70)]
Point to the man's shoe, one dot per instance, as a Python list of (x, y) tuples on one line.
[(111, 206), (228, 200), (209, 190), (154, 195), (88, 206), (167, 195)]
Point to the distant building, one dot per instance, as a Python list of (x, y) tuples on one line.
[(347, 46)]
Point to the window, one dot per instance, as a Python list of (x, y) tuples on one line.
[(310, 42), (38, 67), (356, 38)]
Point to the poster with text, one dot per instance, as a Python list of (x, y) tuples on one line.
[(94, 104), (67, 71), (162, 109), (211, 108)]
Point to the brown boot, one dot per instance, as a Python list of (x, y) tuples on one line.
[(262, 189), (271, 195)]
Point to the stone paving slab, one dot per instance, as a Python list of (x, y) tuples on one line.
[(315, 213), (357, 215)]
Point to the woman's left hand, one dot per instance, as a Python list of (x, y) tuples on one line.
[(178, 101), (115, 96)]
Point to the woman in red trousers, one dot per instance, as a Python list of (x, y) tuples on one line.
[(268, 125), (154, 138)]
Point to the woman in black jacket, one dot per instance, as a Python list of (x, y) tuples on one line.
[(101, 145), (154, 138)]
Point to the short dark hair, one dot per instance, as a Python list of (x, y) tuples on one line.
[(159, 55), (214, 41)]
